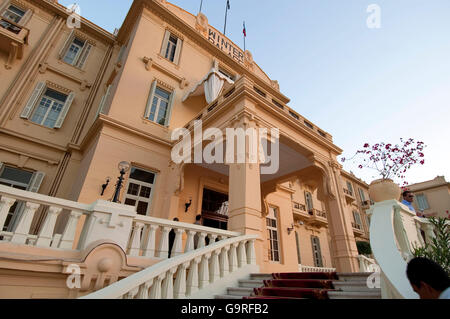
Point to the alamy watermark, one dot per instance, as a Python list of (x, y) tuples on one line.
[(74, 279), (373, 281), (74, 19), (236, 147), (374, 19)]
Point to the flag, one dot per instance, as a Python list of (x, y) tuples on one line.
[(228, 4), (244, 31)]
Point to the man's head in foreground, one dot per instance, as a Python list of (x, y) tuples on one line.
[(427, 278)]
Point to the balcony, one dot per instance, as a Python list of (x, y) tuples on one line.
[(366, 204), (314, 217), (13, 39), (358, 229), (349, 197)]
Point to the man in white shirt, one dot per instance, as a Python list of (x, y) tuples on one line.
[(428, 279)]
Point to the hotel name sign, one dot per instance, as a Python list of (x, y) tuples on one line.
[(225, 45)]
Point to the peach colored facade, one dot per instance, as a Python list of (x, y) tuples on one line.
[(432, 197), (109, 121)]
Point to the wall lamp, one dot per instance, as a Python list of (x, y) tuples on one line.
[(123, 168), (187, 205), (108, 179), (290, 229)]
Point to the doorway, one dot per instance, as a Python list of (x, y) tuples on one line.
[(215, 209)]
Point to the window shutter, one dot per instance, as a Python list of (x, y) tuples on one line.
[(178, 51), (169, 111), (64, 111), (36, 181), (150, 100), (103, 101), (38, 90), (3, 6), (86, 50), (66, 45), (165, 43), (1, 166), (26, 17)]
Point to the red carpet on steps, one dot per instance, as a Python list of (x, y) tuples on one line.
[(296, 286)]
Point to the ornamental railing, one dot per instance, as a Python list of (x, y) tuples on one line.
[(304, 268), (394, 232), (185, 275)]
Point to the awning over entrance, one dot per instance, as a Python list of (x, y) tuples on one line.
[(210, 86)]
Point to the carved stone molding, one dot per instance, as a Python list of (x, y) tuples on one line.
[(201, 24), (150, 63)]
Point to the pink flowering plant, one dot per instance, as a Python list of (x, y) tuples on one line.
[(391, 161)]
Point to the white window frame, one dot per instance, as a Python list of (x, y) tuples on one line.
[(33, 186), (36, 98), (167, 45), (7, 9), (422, 203), (140, 183), (151, 96), (273, 212), (82, 56), (50, 107), (361, 195)]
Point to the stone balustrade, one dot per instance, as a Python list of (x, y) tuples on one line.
[(150, 237), (367, 264), (30, 203), (303, 268), (394, 233), (186, 274)]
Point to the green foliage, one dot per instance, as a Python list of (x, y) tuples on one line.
[(363, 248), (439, 249)]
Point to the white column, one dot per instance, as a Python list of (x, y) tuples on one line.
[(224, 262), (251, 257), (143, 289), (149, 250), (180, 282), (167, 289), (46, 232), (136, 239), (242, 259), (23, 228), (201, 240), (212, 238), (177, 248), (214, 270), (163, 250), (189, 241), (5, 206), (429, 232), (233, 257), (192, 280), (69, 232), (203, 279), (155, 291)]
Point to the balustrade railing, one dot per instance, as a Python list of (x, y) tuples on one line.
[(150, 237), (367, 264), (31, 202), (184, 275), (299, 206), (394, 232), (303, 268)]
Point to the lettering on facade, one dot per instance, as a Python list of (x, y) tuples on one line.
[(225, 45)]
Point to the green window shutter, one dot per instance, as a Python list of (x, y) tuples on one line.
[(150, 100), (103, 101), (178, 51), (36, 181), (84, 55), (66, 45), (169, 111), (65, 109), (26, 17), (165, 43), (38, 90)]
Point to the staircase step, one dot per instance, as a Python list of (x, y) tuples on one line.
[(227, 297), (352, 286), (357, 276), (354, 295), (261, 276), (240, 291), (251, 283)]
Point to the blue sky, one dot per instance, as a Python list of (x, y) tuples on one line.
[(359, 84)]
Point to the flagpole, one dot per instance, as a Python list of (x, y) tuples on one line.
[(201, 4), (245, 35), (226, 13)]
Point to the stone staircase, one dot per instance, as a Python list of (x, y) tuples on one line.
[(346, 286)]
